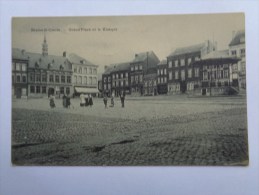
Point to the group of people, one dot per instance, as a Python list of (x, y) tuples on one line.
[(105, 100), (86, 100), (65, 101)]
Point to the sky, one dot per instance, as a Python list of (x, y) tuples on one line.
[(106, 40)]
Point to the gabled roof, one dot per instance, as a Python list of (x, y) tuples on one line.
[(75, 59), (239, 38), (189, 49), (19, 54), (48, 60), (143, 56), (117, 67)]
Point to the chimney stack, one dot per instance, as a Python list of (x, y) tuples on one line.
[(64, 54)]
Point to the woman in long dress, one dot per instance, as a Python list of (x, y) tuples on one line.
[(90, 98), (51, 101)]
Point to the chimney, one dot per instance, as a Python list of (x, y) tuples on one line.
[(136, 55), (23, 51), (105, 67), (64, 54)]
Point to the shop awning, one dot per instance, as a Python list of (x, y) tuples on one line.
[(86, 90)]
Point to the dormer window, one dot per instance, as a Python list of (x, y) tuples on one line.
[(36, 65), (83, 62), (49, 66), (61, 67)]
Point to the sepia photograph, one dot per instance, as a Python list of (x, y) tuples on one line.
[(151, 90)]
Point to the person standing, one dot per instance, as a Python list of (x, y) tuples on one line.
[(122, 97), (105, 101), (86, 100), (112, 101), (64, 98), (90, 98), (82, 100), (51, 101)]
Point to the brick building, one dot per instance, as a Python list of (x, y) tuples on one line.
[(150, 82), (138, 68), (162, 77)]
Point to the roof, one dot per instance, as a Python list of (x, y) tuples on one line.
[(117, 67), (19, 54), (239, 38), (189, 49), (143, 56), (216, 57), (75, 59), (45, 61), (152, 70), (163, 62), (217, 54)]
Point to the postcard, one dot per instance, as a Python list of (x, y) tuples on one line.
[(155, 90)]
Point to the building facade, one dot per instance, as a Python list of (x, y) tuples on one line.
[(84, 76), (150, 82), (162, 77), (183, 76), (138, 68), (237, 49), (19, 73), (216, 74)]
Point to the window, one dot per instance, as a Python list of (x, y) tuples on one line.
[(90, 70), (23, 67), (117, 76), (43, 78), (37, 89), (189, 61), (90, 80), (109, 79), (132, 68), (190, 73), (85, 70), (95, 81), (233, 53), (95, 71), (63, 79), (182, 62), (170, 75), (109, 85), (136, 67), (80, 80), (205, 75), (75, 70), (170, 64), (158, 71), (122, 83), (24, 79), (140, 78), (196, 72), (75, 79), (165, 71), (43, 89), (161, 71), (57, 78), (18, 67), (140, 67), (68, 79), (121, 75), (104, 79), (183, 75), (32, 89), (18, 78), (67, 90), (158, 80), (37, 77), (126, 75), (84, 80), (165, 79), (225, 73), (61, 90), (176, 75), (51, 78), (132, 79), (113, 76), (162, 80), (80, 70), (126, 83), (176, 63), (136, 78)]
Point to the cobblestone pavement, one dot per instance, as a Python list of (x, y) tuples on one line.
[(179, 131)]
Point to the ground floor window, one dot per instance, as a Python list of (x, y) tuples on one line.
[(37, 89), (32, 89), (67, 90), (43, 89), (62, 90)]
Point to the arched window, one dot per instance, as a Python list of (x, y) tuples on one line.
[(75, 79)]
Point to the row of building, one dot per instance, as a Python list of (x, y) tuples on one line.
[(198, 70), (41, 74)]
